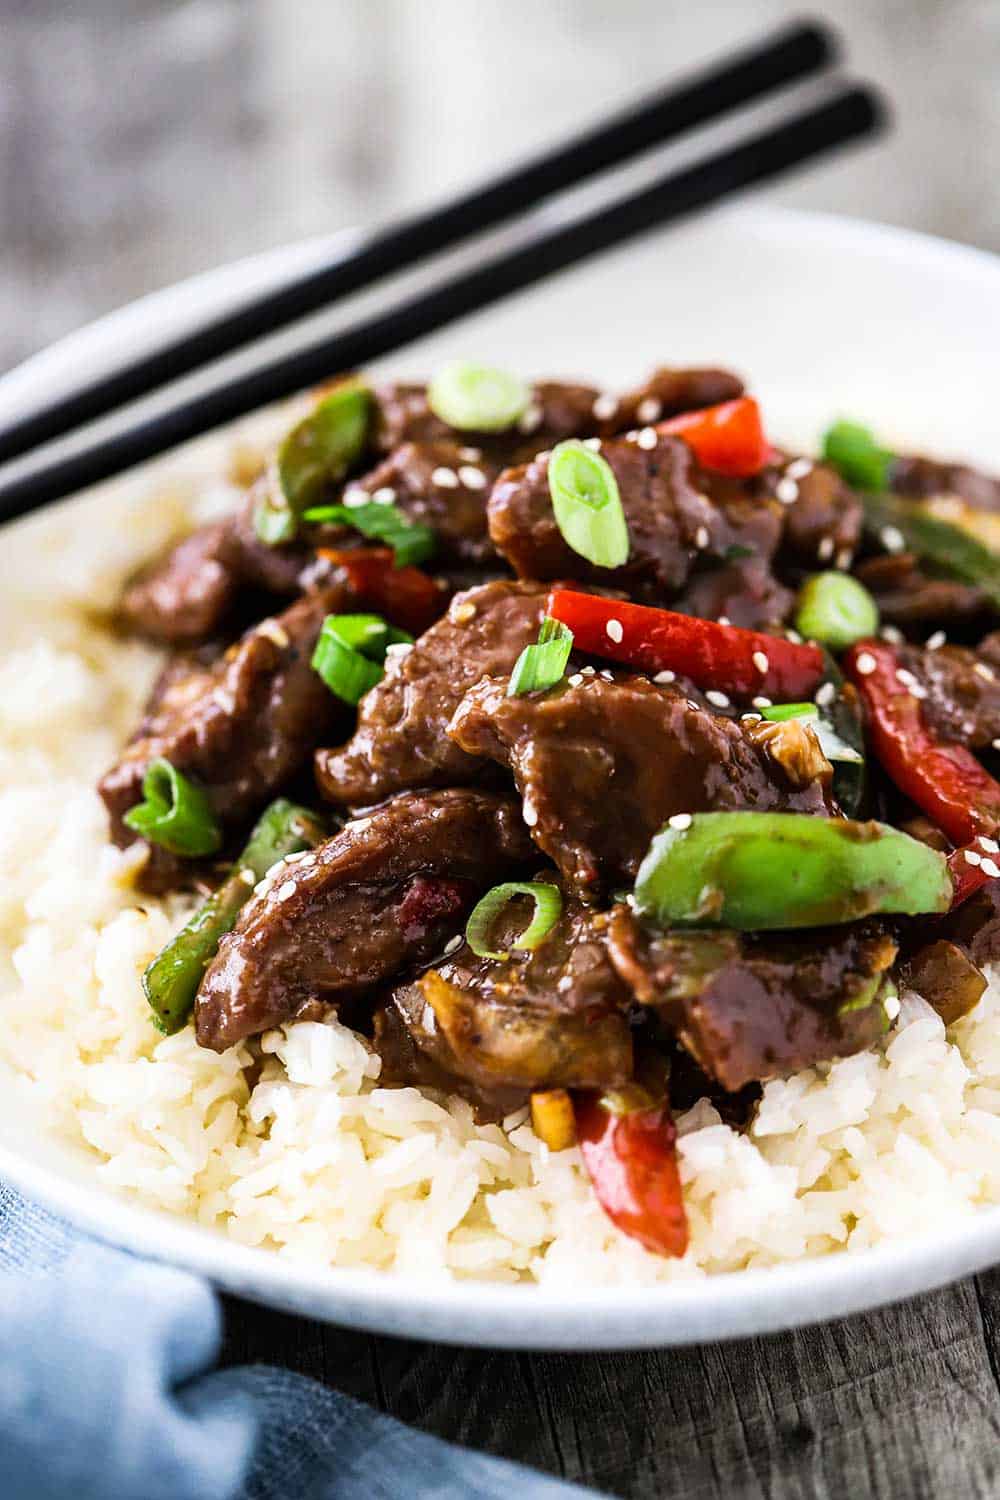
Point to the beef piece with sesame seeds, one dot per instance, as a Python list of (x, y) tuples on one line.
[(666, 393), (400, 740), (679, 521), (822, 517), (239, 728), (962, 688), (924, 478), (602, 764), (751, 1007), (555, 1017), (381, 896), (558, 410), (439, 485)]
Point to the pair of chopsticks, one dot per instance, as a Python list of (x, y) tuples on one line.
[(796, 52)]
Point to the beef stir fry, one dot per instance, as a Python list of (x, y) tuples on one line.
[(583, 749)]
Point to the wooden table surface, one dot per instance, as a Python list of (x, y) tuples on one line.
[(140, 142)]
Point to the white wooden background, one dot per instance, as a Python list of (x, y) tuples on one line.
[(141, 140)]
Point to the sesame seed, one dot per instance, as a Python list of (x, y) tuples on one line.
[(825, 694), (701, 537), (565, 983), (996, 744), (471, 477), (529, 814), (990, 845), (470, 455), (445, 478), (916, 691), (614, 630), (866, 663), (353, 498), (605, 407), (794, 637), (936, 641), (575, 680), (760, 661), (892, 1007), (719, 700), (972, 857), (844, 559), (799, 468), (462, 613), (272, 631), (665, 676), (787, 491), (285, 892), (647, 438), (399, 648), (680, 820), (453, 943), (892, 635), (608, 676), (724, 620), (892, 539), (825, 549), (985, 672), (649, 410), (594, 444), (968, 727), (385, 495), (531, 419), (905, 677), (762, 702), (991, 868), (588, 671), (750, 718), (248, 877)]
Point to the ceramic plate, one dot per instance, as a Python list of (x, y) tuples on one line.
[(826, 316)]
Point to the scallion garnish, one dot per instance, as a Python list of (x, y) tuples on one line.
[(587, 505), (857, 456), (543, 664), (174, 813), (477, 398), (410, 542), (350, 652), (830, 742), (318, 451), (548, 909)]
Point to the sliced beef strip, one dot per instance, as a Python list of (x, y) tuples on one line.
[(750, 1008), (602, 764), (558, 410), (239, 728), (924, 477), (400, 740), (963, 691), (552, 1018), (666, 393), (443, 485), (333, 925), (675, 525), (909, 597), (822, 517)]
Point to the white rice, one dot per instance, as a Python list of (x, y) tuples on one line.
[(320, 1163)]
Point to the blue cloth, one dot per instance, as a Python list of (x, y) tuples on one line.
[(107, 1392)]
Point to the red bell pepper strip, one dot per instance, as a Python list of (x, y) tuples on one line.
[(973, 866), (728, 438), (632, 1161), (725, 657), (945, 780), (404, 596)]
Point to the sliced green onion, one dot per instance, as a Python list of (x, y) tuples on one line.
[(587, 505), (548, 909), (857, 456), (350, 652), (477, 398), (830, 742), (175, 813), (836, 610), (410, 542), (543, 664), (318, 451)]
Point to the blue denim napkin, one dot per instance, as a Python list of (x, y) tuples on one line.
[(107, 1392)]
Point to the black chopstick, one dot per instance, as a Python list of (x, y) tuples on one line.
[(849, 115), (789, 55)]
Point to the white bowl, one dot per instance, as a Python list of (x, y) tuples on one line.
[(826, 316)]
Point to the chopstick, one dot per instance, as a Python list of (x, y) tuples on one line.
[(849, 115), (787, 56)]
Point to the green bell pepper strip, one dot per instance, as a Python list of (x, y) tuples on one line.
[(317, 452), (762, 871), (171, 981), (951, 550)]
